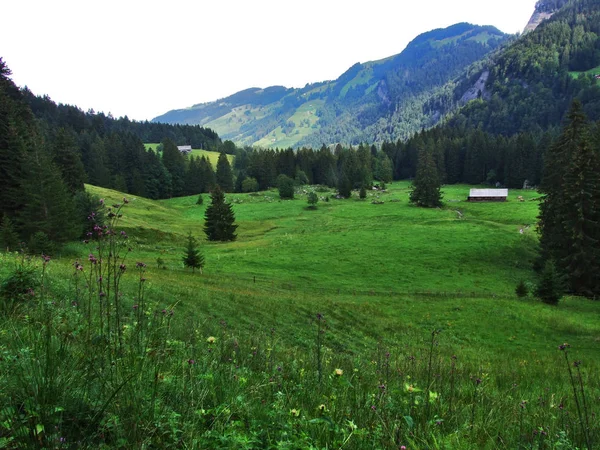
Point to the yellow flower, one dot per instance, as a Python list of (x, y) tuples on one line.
[(211, 339), (338, 372)]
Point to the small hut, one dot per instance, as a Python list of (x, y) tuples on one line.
[(185, 149), (488, 195)]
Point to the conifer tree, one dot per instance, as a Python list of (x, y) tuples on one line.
[(224, 176), (193, 257), (219, 222), (569, 220), (9, 239), (425, 190)]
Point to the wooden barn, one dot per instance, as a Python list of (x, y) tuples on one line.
[(488, 195), (185, 149)]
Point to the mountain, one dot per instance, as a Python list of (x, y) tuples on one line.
[(530, 85), (374, 101), (544, 9)]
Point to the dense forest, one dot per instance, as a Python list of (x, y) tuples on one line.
[(48, 152)]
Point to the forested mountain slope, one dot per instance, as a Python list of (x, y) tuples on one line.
[(532, 83), (341, 110)]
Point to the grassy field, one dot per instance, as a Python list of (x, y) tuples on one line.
[(354, 325), (594, 71)]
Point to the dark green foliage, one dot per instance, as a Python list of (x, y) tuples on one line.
[(65, 154), (550, 287), (425, 189), (344, 187), (174, 162), (285, 185), (362, 193), (40, 244), (89, 210), (521, 290), (50, 207), (219, 224), (18, 286), (200, 200), (569, 221), (250, 185), (224, 175), (193, 257), (312, 199), (9, 239)]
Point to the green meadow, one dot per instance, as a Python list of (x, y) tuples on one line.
[(213, 157), (359, 324)]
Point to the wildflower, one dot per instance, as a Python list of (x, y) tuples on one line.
[(31, 292), (135, 306), (123, 267), (563, 347), (140, 265), (124, 235), (403, 447), (319, 316), (46, 259), (211, 339), (478, 381), (125, 200), (576, 363), (92, 259), (191, 362), (295, 412), (101, 201), (102, 294), (338, 372), (373, 408), (523, 404)]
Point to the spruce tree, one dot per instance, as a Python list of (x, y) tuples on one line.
[(569, 220), (224, 176), (193, 257), (219, 222), (425, 190), (9, 239)]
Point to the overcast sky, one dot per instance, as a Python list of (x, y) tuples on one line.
[(143, 58)]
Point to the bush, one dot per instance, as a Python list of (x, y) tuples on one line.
[(312, 199), (250, 184), (200, 200), (363, 193), (40, 244), (19, 285), (286, 187), (550, 288), (521, 290)]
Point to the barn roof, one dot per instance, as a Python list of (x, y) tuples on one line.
[(488, 193), (183, 148)]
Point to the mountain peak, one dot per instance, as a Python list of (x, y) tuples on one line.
[(544, 9)]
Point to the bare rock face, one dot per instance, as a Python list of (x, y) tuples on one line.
[(478, 89), (544, 9)]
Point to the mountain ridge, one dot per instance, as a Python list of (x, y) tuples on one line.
[(340, 110)]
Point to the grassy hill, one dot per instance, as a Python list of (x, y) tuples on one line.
[(354, 325)]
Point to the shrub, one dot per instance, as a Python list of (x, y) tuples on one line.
[(200, 200), (286, 187), (363, 193), (312, 199), (39, 244), (550, 287), (19, 285), (521, 290)]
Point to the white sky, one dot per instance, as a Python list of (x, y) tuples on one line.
[(143, 58)]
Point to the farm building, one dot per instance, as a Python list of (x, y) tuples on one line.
[(184, 148), (488, 195)]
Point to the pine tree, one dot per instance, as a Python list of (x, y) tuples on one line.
[(224, 176), (569, 220), (9, 239), (219, 222), (174, 162), (193, 257), (550, 288), (425, 190), (65, 155)]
